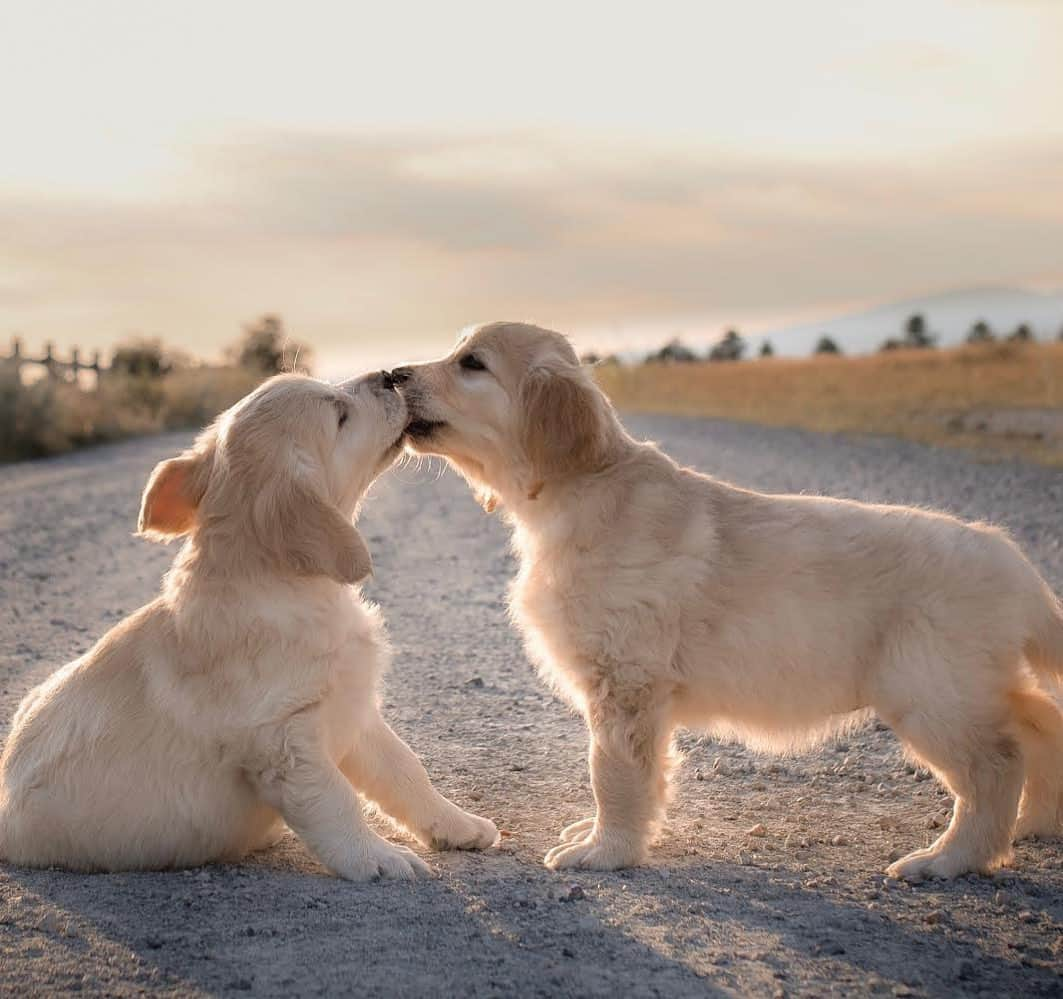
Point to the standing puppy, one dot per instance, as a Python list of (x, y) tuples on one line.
[(653, 597), (246, 694)]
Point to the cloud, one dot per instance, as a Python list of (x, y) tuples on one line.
[(366, 242)]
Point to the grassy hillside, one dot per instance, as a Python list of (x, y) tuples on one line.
[(1002, 398)]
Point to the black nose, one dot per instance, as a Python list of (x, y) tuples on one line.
[(386, 380), (399, 376)]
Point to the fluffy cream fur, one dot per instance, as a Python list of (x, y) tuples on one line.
[(654, 597), (245, 696)]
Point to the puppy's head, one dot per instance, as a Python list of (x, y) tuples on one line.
[(511, 408), (281, 473)]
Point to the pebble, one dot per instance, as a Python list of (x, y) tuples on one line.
[(574, 894), (934, 916), (839, 840), (758, 830)]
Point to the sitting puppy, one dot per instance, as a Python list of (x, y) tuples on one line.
[(654, 597), (247, 693)]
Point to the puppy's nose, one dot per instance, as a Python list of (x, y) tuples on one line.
[(399, 376), (386, 380)]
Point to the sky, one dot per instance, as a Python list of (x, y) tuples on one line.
[(382, 175)]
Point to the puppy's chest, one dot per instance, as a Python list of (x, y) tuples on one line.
[(570, 614), (353, 678)]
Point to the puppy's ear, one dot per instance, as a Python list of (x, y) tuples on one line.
[(562, 422), (174, 491), (306, 532)]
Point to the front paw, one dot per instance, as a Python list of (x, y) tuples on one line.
[(384, 860), (461, 830), (594, 852)]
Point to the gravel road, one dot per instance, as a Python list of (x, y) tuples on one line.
[(799, 908)]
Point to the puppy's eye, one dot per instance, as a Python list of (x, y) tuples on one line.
[(470, 362)]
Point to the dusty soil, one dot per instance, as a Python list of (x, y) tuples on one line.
[(801, 909)]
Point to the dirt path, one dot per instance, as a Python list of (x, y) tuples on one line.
[(800, 910)]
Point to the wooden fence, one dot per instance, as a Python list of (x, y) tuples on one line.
[(54, 368)]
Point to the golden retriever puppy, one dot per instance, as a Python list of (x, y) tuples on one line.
[(653, 597), (245, 696)]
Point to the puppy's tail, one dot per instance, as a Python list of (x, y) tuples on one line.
[(1044, 646)]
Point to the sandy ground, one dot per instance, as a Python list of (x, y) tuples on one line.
[(800, 910)]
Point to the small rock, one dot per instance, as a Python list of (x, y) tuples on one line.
[(698, 775), (719, 765), (475, 681), (839, 840), (963, 969), (934, 916), (744, 858), (758, 830), (1026, 916), (574, 893)]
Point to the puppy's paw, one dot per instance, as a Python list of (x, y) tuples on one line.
[(946, 864), (461, 830), (578, 831), (594, 853), (385, 860), (1043, 825)]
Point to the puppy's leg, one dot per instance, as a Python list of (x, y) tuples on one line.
[(319, 804), (981, 764), (386, 770), (1039, 728), (628, 756)]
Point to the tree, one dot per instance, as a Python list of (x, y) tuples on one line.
[(673, 352), (730, 348), (266, 348), (827, 345), (766, 349), (980, 333), (916, 333), (1021, 334), (141, 357)]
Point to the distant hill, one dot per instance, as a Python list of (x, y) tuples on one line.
[(949, 316)]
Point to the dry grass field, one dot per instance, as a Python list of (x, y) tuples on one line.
[(1005, 399), (51, 417)]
